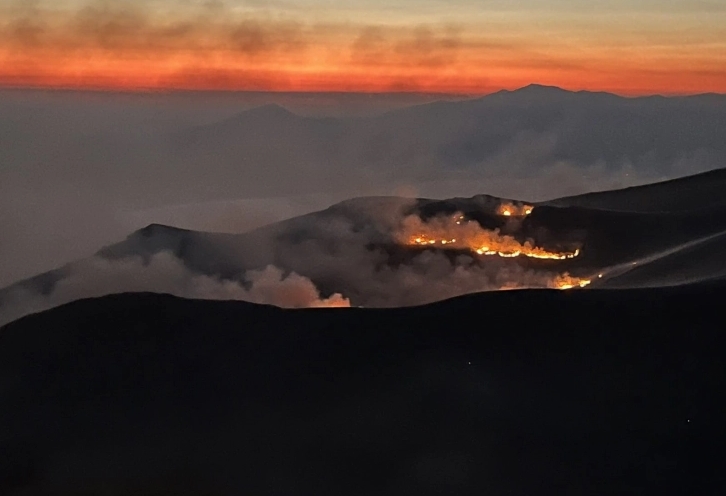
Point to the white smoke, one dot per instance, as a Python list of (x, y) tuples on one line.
[(165, 273)]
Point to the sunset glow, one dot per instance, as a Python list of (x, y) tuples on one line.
[(402, 46)]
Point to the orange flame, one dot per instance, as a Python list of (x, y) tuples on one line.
[(566, 281), (457, 232), (508, 209), (468, 235)]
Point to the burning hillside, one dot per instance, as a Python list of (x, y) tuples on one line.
[(458, 233), (508, 209)]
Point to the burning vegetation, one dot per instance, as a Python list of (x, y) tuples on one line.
[(457, 232), (566, 281), (507, 209)]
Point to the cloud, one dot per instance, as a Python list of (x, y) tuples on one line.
[(132, 45), (420, 46), (130, 28)]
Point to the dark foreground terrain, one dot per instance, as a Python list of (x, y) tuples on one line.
[(508, 393)]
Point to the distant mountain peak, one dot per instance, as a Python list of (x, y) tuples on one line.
[(542, 89), (270, 109), (541, 92), (270, 114), (156, 229)]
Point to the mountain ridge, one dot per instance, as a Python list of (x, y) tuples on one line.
[(354, 248), (147, 393)]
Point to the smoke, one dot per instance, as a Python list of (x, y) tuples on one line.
[(82, 171), (271, 286), (422, 48), (355, 253), (217, 47), (433, 276), (133, 27), (165, 273)]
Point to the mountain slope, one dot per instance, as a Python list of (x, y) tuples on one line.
[(676, 195), (601, 392), (361, 249), (513, 134)]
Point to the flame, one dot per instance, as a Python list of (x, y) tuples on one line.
[(458, 233), (566, 281), (508, 209), (469, 235)]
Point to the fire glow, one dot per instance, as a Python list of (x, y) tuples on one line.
[(512, 210), (566, 281), (459, 233)]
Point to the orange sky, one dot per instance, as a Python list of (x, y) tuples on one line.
[(155, 46)]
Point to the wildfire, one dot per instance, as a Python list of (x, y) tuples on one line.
[(511, 210), (458, 233), (566, 281), (469, 235)]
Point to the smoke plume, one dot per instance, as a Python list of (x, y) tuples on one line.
[(165, 273)]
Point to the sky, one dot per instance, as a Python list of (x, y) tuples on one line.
[(629, 47), (83, 169)]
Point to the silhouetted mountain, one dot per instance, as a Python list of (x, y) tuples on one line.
[(697, 261), (113, 161), (617, 388), (683, 194), (663, 234), (516, 392), (540, 92), (526, 130)]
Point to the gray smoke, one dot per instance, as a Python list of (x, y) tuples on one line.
[(339, 257), (81, 171), (165, 273)]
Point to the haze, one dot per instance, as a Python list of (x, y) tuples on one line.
[(462, 46), (82, 170), (99, 138)]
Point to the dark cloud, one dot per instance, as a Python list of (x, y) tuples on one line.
[(420, 47), (130, 27), (428, 48), (254, 38)]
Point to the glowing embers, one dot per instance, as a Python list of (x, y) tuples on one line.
[(566, 281), (511, 210), (422, 240), (457, 232), (532, 252)]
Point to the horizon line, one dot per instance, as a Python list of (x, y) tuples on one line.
[(362, 92)]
